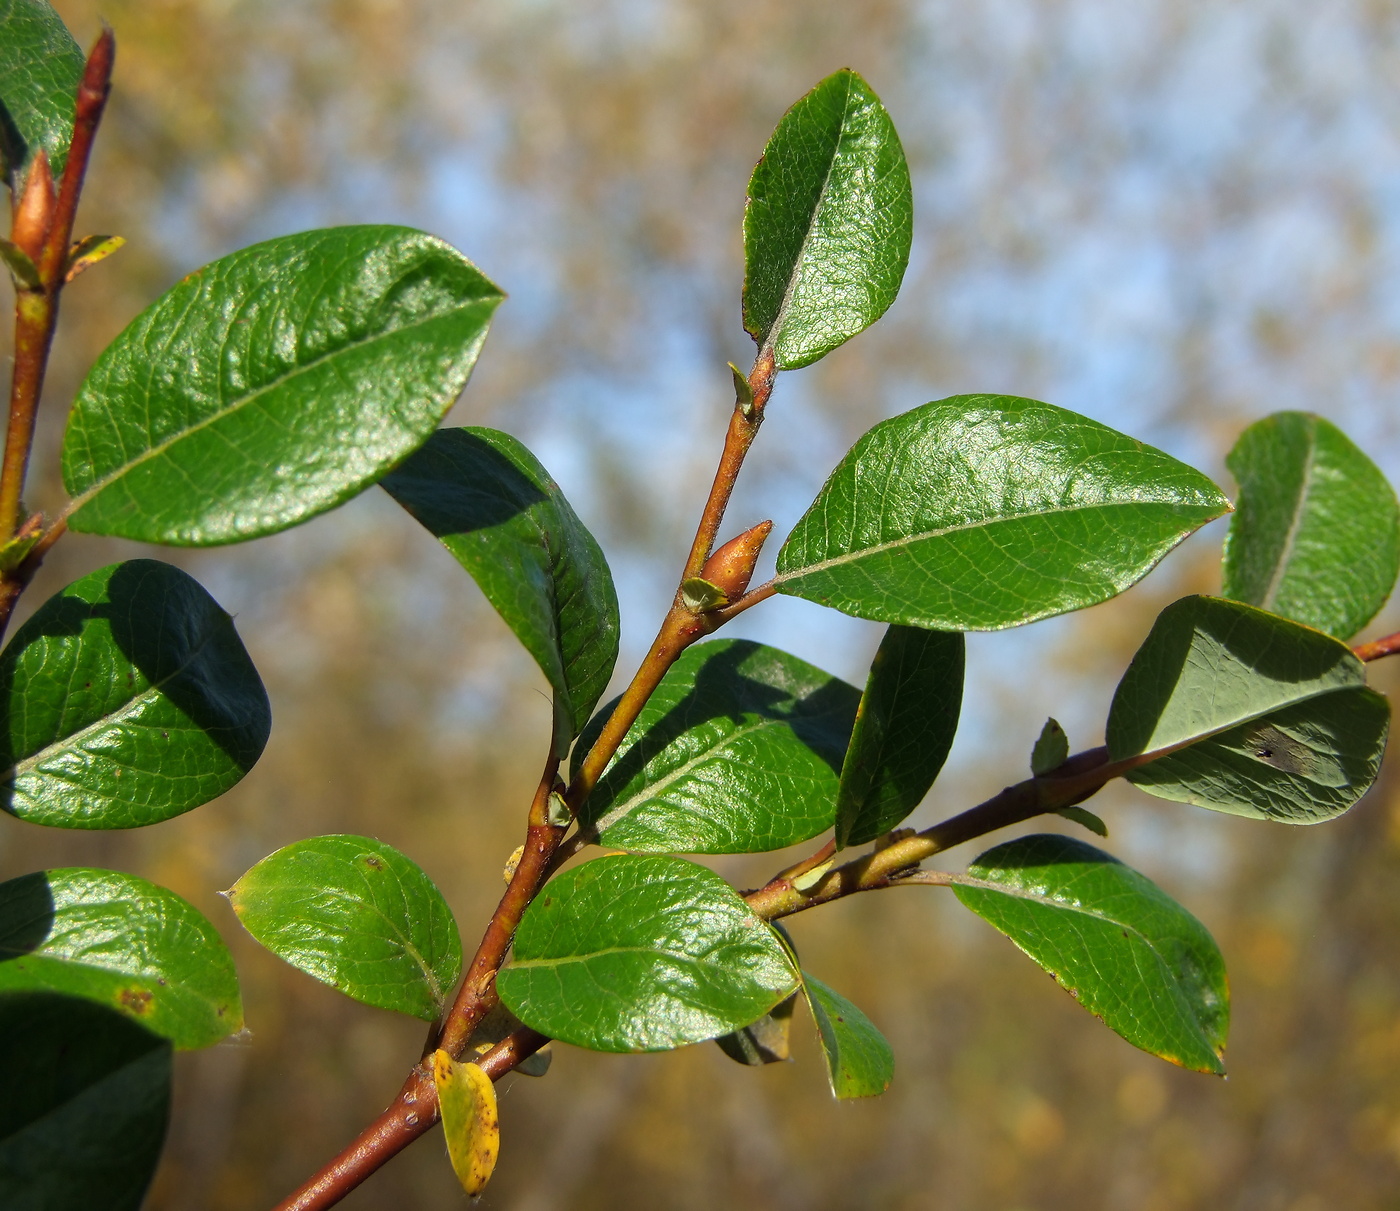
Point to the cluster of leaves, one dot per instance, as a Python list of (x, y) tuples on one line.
[(278, 382)]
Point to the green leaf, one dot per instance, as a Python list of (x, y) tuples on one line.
[(642, 953), (1253, 715), (40, 70), (737, 751), (905, 727), (359, 916), (1317, 535), (486, 497), (1122, 948), (1084, 818), (274, 384), (127, 699), (859, 1062), (87, 1100), (827, 225), (1051, 748), (986, 511), (125, 943)]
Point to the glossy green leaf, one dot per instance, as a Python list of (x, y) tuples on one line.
[(986, 511), (274, 384), (1254, 715), (1123, 949), (125, 943), (1051, 749), (738, 751), (1317, 534), (359, 916), (859, 1062), (506, 521), (642, 953), (127, 698), (905, 727), (40, 70), (87, 1100), (828, 223)]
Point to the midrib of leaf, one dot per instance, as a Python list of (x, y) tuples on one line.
[(399, 936), (775, 329), (984, 523), (653, 790), (69, 743), (1177, 746), (342, 350), (1295, 523), (652, 951)]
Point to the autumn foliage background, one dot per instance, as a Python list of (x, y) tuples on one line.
[(1173, 217)]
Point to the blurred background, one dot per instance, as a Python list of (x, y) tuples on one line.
[(1174, 216)]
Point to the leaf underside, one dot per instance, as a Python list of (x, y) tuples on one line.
[(1254, 715)]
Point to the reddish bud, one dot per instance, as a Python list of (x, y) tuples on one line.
[(731, 567), (34, 214)]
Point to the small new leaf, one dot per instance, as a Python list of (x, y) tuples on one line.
[(470, 1121), (22, 269), (88, 251), (1086, 818), (700, 595), (1051, 749)]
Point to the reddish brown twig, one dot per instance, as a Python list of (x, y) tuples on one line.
[(1386, 646)]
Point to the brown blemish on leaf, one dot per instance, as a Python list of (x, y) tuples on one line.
[(135, 1000)]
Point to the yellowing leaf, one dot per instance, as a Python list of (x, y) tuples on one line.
[(467, 1099)]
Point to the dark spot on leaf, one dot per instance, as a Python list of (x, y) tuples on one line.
[(372, 861), (135, 1000), (160, 980), (548, 901), (165, 735), (1273, 747)]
